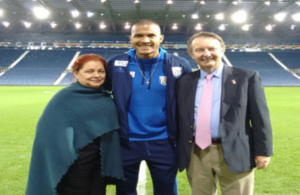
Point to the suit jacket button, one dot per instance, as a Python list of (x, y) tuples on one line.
[(190, 141), (192, 126)]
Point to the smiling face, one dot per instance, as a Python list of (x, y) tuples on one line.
[(207, 52), (146, 38), (92, 74)]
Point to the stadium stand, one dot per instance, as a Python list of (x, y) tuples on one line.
[(271, 73), (289, 59), (67, 79), (105, 53), (38, 67), (8, 57), (43, 67), (120, 37), (184, 54)]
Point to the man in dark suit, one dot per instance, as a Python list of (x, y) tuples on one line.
[(224, 124)]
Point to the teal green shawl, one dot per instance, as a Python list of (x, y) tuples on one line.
[(73, 118)]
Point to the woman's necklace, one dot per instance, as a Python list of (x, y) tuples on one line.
[(147, 80)]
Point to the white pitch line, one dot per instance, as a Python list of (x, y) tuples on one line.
[(141, 188), (51, 92)]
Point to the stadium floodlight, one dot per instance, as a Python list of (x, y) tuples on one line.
[(234, 2), (293, 27), (53, 24), (127, 26), (296, 17), (280, 16), (297, 2), (102, 1), (220, 16), (175, 27), (267, 2), (102, 25), (69, 0), (239, 16), (136, 1), (1, 12), (75, 13), (202, 2), (90, 14), (27, 24), (77, 25), (198, 27), (41, 13), (169, 2), (222, 27), (5, 23), (269, 27), (195, 16), (246, 27)]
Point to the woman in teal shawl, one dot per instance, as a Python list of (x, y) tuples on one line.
[(76, 149)]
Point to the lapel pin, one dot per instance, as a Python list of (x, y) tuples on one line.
[(233, 81)]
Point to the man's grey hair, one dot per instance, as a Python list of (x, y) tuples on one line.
[(205, 34)]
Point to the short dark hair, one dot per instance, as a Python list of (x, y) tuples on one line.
[(204, 34), (145, 21)]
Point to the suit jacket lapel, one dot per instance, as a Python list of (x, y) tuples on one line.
[(230, 82), (191, 94)]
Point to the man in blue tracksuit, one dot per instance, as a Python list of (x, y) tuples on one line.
[(143, 85)]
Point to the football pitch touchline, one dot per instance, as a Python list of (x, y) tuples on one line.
[(141, 188), (51, 92)]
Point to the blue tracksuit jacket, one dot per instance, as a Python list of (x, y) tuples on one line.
[(121, 81)]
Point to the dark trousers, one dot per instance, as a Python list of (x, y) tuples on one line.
[(160, 157), (83, 177)]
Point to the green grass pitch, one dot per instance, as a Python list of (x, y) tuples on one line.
[(21, 107)]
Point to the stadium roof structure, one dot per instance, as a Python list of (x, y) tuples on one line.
[(178, 16)]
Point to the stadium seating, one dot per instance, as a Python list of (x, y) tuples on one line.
[(105, 53), (38, 67), (183, 53), (43, 67), (289, 59), (271, 73), (120, 37), (9, 56), (67, 79)]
